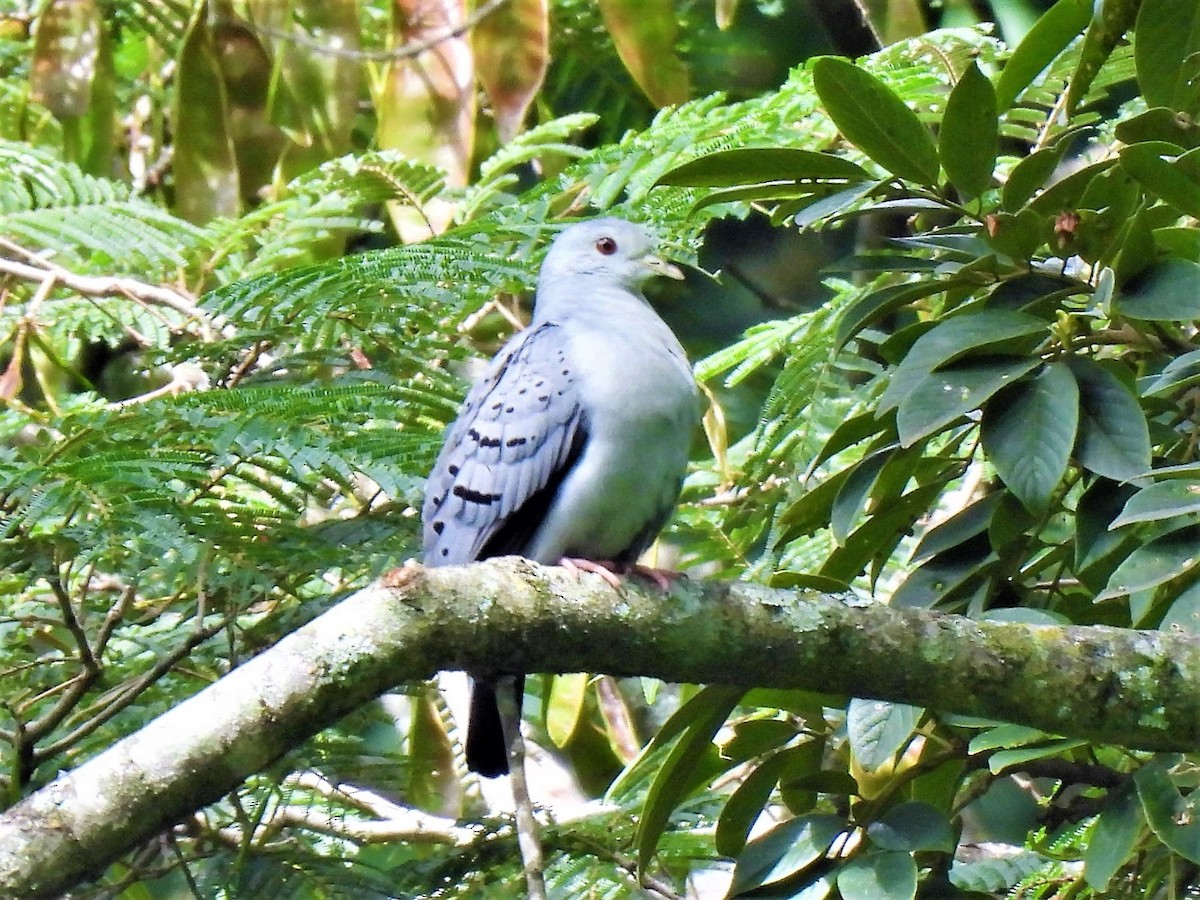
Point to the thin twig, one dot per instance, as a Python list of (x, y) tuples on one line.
[(528, 839), (45, 272), (408, 51), (131, 693)]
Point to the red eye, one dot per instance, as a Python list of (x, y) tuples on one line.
[(607, 246)]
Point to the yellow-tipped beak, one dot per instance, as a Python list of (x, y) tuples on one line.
[(662, 267)]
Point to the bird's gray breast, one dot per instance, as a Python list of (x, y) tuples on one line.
[(640, 406)]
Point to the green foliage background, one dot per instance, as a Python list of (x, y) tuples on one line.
[(992, 414)]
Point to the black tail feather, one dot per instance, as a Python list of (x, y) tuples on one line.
[(487, 749)]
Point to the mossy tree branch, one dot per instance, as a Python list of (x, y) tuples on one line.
[(1137, 688)]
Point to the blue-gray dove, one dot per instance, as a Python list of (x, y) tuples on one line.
[(575, 442)]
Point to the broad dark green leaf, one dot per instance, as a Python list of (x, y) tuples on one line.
[(875, 120), (689, 764), (1113, 837), (1057, 27), (785, 850), (1166, 292), (1167, 53), (1164, 500), (1184, 612), (746, 804), (699, 709), (878, 729), (934, 583), (1110, 20), (912, 827), (1167, 172), (881, 533), (1171, 817), (851, 500), (1154, 563), (757, 166), (987, 333), (969, 136), (1181, 372), (1099, 505), (875, 304), (1030, 175), (959, 528), (1066, 193), (1114, 438), (1159, 124), (886, 875), (944, 396), (1029, 432)]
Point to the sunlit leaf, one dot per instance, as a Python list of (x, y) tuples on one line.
[(875, 120), (1029, 432), (969, 135), (512, 51), (205, 165), (1044, 41), (645, 32), (1113, 838), (1167, 52), (1114, 438), (875, 875)]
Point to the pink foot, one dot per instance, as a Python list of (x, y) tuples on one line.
[(613, 572), (604, 569)]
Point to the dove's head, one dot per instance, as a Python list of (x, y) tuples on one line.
[(618, 252)]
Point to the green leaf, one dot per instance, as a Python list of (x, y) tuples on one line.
[(746, 804), (645, 32), (1028, 434), (1159, 124), (1049, 36), (1099, 505), (690, 763), (947, 395), (1154, 563), (1110, 20), (786, 850), (987, 333), (969, 136), (879, 876), (1031, 174), (1164, 500), (878, 729), (1006, 759), (1171, 817), (1167, 172), (204, 165), (912, 827), (875, 304), (1166, 292), (1113, 837), (1003, 736), (564, 706), (1114, 438), (1166, 53), (851, 500), (875, 120), (1181, 372), (1184, 612), (759, 166), (935, 582), (958, 529)]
